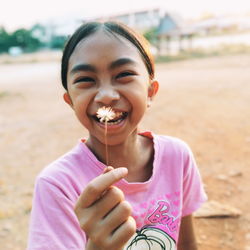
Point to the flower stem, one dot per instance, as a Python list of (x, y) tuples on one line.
[(106, 143)]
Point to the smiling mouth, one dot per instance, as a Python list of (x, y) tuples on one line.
[(119, 117)]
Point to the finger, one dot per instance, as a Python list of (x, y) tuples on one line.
[(124, 232), (100, 184), (93, 218), (118, 215), (112, 197), (107, 169)]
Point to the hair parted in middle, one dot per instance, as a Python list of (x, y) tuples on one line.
[(115, 28)]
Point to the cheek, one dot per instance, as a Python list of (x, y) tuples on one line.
[(81, 98), (138, 98), (80, 105)]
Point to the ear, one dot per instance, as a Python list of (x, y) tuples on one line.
[(152, 90), (67, 99)]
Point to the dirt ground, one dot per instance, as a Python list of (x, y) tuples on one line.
[(206, 102)]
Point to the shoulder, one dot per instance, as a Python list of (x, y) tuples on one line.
[(173, 154), (172, 144), (64, 165), (67, 174)]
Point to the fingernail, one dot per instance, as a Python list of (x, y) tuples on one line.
[(123, 171)]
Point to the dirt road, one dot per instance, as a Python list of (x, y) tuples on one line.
[(205, 102)]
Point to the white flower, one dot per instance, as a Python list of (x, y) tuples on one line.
[(105, 114)]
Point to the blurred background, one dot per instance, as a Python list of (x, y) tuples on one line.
[(172, 27), (202, 54)]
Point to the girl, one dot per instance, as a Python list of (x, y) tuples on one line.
[(146, 199)]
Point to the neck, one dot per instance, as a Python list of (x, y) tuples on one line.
[(125, 154), (135, 153), (118, 154)]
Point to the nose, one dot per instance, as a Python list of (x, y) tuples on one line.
[(107, 95)]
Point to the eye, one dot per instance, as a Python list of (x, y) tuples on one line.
[(84, 79), (125, 74)]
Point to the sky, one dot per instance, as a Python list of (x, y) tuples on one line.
[(23, 14)]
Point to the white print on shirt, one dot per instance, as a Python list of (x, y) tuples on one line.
[(161, 216), (150, 238), (159, 222)]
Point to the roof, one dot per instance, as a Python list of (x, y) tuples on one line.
[(172, 25), (167, 25)]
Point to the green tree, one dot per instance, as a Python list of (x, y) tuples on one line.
[(57, 42), (30, 40), (39, 32), (23, 38), (151, 35), (4, 40)]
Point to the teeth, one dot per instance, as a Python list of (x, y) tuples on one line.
[(118, 118), (113, 123), (118, 115), (116, 122)]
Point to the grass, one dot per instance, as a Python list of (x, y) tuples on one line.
[(3, 94)]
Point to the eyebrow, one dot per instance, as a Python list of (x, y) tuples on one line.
[(121, 62), (88, 67), (83, 67)]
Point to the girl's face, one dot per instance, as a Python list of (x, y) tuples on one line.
[(107, 70)]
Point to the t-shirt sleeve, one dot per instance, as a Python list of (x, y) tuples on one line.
[(193, 190), (53, 223)]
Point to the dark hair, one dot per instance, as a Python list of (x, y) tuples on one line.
[(89, 28)]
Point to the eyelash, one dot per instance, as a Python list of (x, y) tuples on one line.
[(84, 79), (89, 79), (125, 74)]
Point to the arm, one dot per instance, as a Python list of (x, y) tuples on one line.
[(187, 236), (53, 224)]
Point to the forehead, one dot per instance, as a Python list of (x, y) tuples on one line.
[(104, 46)]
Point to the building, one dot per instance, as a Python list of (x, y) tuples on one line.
[(141, 20), (167, 25)]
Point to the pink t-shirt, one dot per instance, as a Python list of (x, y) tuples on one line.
[(173, 191)]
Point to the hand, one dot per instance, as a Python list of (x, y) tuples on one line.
[(103, 213)]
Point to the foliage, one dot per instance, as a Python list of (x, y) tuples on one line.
[(30, 40), (23, 38), (57, 42), (4, 40), (151, 35)]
